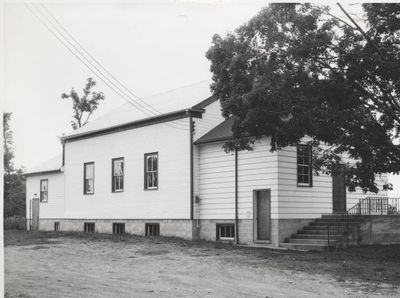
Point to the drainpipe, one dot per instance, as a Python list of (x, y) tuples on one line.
[(236, 198)]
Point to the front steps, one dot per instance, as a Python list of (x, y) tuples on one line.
[(315, 235)]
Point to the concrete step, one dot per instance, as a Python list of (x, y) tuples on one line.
[(306, 246), (326, 223), (330, 220), (316, 231), (316, 236), (316, 227), (310, 241)]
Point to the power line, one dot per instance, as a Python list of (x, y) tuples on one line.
[(94, 59), (97, 72)]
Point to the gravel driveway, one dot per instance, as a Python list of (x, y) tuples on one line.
[(81, 265)]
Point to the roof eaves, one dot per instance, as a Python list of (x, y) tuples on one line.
[(201, 142), (42, 172), (191, 112), (205, 102)]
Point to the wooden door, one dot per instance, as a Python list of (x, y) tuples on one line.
[(339, 194), (35, 214), (262, 215)]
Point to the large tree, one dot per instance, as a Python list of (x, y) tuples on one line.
[(83, 107), (14, 182), (297, 70)]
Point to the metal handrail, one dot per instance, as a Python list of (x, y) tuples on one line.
[(367, 206)]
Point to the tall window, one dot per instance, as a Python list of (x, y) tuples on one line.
[(151, 171), (304, 165), (44, 190), (88, 178), (117, 174)]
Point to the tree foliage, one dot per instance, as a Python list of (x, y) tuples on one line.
[(295, 70), (14, 182), (83, 107), (8, 144)]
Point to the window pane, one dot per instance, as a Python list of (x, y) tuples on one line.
[(149, 163), (44, 185), (155, 179), (118, 167), (89, 171), (155, 161), (89, 185)]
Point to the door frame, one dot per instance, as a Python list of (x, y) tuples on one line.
[(255, 228), (38, 215), (344, 190)]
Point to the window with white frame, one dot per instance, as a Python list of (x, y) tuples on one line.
[(151, 171), (44, 190), (88, 180), (304, 165), (118, 174), (225, 231)]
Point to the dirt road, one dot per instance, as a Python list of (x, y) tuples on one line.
[(78, 265)]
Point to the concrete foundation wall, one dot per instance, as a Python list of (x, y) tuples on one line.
[(168, 227), (380, 230), (280, 229), (287, 227), (186, 229)]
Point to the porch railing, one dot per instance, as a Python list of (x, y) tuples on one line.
[(344, 223)]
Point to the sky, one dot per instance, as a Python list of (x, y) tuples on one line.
[(149, 46)]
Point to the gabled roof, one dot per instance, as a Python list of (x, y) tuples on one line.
[(221, 132), (49, 166), (170, 102)]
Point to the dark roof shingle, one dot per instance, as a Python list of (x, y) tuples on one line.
[(221, 132)]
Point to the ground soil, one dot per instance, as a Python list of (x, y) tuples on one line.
[(48, 264)]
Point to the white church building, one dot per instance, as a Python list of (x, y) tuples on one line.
[(167, 174)]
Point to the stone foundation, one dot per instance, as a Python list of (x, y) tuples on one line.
[(182, 228), (380, 230)]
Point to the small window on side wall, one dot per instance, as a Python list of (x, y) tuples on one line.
[(89, 227), (117, 174), (88, 178), (226, 232), (152, 229), (44, 190), (151, 171), (304, 165)]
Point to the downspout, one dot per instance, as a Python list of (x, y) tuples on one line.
[(63, 152), (191, 128), (236, 198)]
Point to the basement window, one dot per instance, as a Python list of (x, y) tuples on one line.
[(88, 227), (152, 229), (56, 226), (118, 228), (225, 231), (304, 165)]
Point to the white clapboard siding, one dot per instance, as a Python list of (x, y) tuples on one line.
[(170, 201), (256, 170), (309, 202), (216, 182), (54, 208), (210, 119)]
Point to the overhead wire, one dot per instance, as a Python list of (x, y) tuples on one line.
[(94, 69), (95, 60)]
